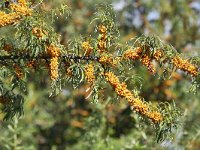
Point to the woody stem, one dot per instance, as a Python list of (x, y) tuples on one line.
[(69, 56)]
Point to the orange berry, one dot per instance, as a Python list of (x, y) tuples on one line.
[(89, 73)]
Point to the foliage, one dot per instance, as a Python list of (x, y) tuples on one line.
[(98, 61)]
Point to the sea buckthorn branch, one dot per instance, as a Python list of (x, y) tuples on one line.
[(63, 57), (137, 53), (164, 118), (162, 53), (179, 63), (18, 10), (165, 55), (184, 65), (143, 52), (135, 101), (101, 51)]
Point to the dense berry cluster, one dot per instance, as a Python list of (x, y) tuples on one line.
[(109, 60), (102, 42), (38, 32), (185, 65), (136, 102), (89, 73), (54, 53), (22, 2), (21, 9), (18, 11), (146, 61), (158, 54), (133, 53), (54, 68), (102, 29), (7, 19)]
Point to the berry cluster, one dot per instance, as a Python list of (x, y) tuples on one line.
[(158, 55), (54, 53), (185, 65), (89, 73), (54, 68), (8, 19), (22, 2), (87, 48), (38, 32), (102, 42), (136, 102), (69, 72), (19, 10), (146, 61), (31, 64), (106, 59), (133, 53)]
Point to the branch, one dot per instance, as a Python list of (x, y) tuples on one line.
[(69, 56)]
